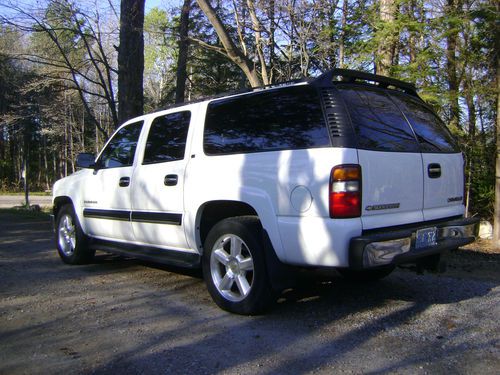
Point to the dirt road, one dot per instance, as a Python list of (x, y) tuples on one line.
[(120, 316)]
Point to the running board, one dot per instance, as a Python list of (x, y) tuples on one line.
[(147, 253)]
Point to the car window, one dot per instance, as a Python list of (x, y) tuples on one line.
[(167, 138), (120, 150), (432, 133), (377, 121), (289, 118)]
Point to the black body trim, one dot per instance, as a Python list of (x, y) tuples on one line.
[(106, 214), (134, 216), (149, 253), (157, 217)]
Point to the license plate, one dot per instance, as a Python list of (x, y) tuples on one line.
[(426, 237)]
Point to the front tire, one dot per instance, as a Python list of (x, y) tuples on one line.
[(72, 243), (234, 266)]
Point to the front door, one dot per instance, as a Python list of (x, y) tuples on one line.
[(107, 205)]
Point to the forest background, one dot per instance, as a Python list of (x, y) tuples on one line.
[(72, 71)]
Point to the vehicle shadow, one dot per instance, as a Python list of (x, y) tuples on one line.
[(285, 339)]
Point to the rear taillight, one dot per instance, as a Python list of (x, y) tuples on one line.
[(345, 191)]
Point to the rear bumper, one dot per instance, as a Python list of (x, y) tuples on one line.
[(396, 246)]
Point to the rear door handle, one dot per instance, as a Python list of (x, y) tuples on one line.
[(434, 170), (124, 182), (170, 180)]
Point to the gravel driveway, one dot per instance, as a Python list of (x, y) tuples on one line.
[(121, 316)]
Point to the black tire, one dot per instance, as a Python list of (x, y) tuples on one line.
[(72, 244), (367, 275), (234, 266)]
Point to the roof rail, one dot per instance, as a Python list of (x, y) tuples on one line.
[(348, 75)]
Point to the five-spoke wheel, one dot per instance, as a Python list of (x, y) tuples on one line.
[(72, 243), (234, 266)]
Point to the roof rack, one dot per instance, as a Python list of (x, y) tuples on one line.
[(348, 75), (236, 92)]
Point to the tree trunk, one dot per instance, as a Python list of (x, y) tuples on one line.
[(387, 37), (257, 27), (496, 219), (343, 27), (131, 60), (180, 89), (232, 51), (271, 43), (452, 10)]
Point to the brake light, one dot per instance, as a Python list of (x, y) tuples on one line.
[(345, 191)]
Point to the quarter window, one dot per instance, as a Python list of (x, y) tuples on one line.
[(167, 138), (289, 118), (120, 150)]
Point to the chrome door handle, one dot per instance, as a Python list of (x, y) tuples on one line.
[(171, 180), (434, 170), (124, 182)]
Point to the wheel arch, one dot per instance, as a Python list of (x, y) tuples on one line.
[(59, 202), (213, 212)]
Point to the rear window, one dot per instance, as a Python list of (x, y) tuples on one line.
[(289, 118), (432, 133), (167, 138), (377, 121)]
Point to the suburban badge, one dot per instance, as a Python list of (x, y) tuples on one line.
[(377, 207)]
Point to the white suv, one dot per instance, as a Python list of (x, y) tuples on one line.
[(349, 170)]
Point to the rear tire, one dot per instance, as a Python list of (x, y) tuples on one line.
[(367, 275), (72, 243), (234, 266)]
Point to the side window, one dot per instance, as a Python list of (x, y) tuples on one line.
[(167, 138), (289, 118), (378, 122), (120, 150), (432, 133)]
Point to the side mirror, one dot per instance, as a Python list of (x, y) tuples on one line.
[(85, 160)]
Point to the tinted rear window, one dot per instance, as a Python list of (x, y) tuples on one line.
[(432, 133), (377, 121), (289, 118), (167, 138)]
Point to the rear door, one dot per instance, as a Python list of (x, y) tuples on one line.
[(158, 183), (390, 159), (442, 161)]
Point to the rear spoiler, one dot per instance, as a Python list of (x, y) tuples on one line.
[(347, 75)]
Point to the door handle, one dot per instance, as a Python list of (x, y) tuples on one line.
[(170, 180), (434, 170), (124, 182)]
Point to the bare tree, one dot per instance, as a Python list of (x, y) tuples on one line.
[(91, 77), (230, 49)]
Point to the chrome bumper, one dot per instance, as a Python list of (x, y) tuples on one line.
[(395, 246)]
